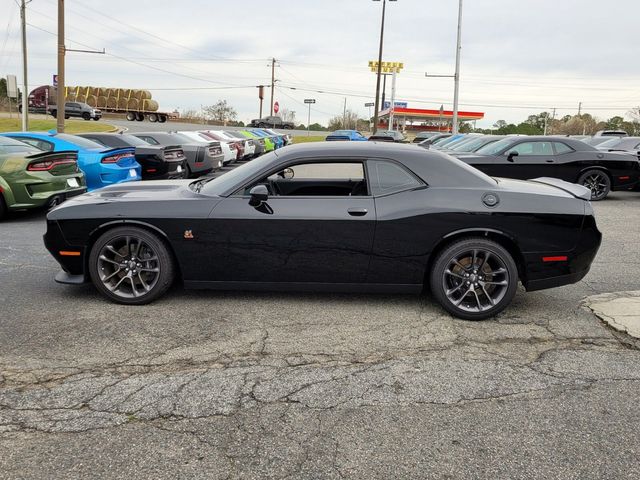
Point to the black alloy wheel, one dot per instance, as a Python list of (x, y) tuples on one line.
[(474, 279), (130, 265), (598, 182)]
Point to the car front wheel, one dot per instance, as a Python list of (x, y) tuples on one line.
[(130, 265), (598, 182), (474, 279)]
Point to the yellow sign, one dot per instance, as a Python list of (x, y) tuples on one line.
[(386, 67)]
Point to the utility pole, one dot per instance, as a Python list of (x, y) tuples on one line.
[(379, 67), (25, 87), (273, 82), (579, 108), (344, 114), (553, 117), (61, 52), (546, 117), (456, 82), (392, 105)]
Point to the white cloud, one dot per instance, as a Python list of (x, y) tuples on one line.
[(532, 54)]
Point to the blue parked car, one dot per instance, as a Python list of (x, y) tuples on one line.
[(346, 135), (102, 166), (277, 139)]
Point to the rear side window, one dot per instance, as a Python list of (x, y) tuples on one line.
[(562, 148), (37, 143), (387, 178), (532, 148), (149, 140)]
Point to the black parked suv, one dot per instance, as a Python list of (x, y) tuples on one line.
[(77, 109)]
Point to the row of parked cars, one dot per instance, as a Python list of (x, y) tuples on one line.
[(606, 162), (42, 169)]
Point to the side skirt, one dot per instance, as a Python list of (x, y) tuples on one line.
[(307, 287)]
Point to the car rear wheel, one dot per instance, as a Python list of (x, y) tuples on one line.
[(130, 265), (598, 182), (3, 207), (474, 279)]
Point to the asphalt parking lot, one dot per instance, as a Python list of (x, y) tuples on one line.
[(272, 385)]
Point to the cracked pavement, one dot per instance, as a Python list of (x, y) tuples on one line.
[(286, 385)]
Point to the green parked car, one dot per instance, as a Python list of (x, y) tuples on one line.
[(31, 178), (269, 146)]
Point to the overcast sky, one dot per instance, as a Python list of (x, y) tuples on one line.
[(518, 57)]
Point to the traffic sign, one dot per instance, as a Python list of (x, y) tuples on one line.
[(12, 86), (55, 80), (370, 104), (276, 107), (309, 100)]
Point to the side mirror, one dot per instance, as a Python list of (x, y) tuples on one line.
[(259, 195), (511, 155)]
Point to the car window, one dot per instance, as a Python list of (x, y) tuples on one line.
[(79, 141), (317, 179), (10, 145), (387, 178), (150, 140), (532, 148), (98, 141), (562, 148), (37, 143)]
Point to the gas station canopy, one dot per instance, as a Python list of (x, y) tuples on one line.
[(424, 119)]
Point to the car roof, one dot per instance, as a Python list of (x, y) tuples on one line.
[(433, 167)]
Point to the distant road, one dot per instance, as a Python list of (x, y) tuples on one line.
[(157, 127)]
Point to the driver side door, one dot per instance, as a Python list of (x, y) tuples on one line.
[(317, 226)]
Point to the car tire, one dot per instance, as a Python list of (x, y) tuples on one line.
[(54, 113), (131, 266), (96, 118), (474, 278), (86, 116), (140, 117), (598, 181), (67, 117)]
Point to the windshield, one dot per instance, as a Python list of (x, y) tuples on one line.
[(497, 147), (79, 141), (438, 141), (224, 182), (473, 145), (9, 145), (610, 143)]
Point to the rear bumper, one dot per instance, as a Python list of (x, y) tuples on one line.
[(554, 269)]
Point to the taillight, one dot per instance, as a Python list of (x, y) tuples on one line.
[(117, 158), (44, 165), (215, 150)]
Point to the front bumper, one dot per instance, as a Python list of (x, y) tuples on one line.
[(73, 266)]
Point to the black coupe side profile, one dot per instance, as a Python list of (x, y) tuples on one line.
[(558, 157), (339, 216)]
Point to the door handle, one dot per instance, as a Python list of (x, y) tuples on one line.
[(357, 212), (549, 161)]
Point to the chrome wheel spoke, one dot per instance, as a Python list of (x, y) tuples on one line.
[(108, 260), (487, 295), (453, 274), (459, 301), (501, 283)]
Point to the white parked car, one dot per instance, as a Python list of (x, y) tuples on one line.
[(230, 153), (247, 147)]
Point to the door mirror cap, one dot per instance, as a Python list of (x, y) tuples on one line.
[(510, 156), (259, 195)]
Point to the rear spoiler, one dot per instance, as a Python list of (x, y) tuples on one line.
[(574, 189), (60, 154), (115, 149)]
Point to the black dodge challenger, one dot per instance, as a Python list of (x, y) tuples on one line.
[(558, 157), (340, 216)]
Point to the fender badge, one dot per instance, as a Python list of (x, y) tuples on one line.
[(490, 199), (188, 234)]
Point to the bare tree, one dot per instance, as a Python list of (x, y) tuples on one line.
[(348, 121), (221, 111)]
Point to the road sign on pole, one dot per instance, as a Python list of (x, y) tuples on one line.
[(276, 107), (55, 80), (12, 86), (309, 101)]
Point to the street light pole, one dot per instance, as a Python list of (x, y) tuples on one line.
[(456, 82), (61, 52), (25, 91)]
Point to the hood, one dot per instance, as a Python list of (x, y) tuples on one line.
[(151, 198)]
